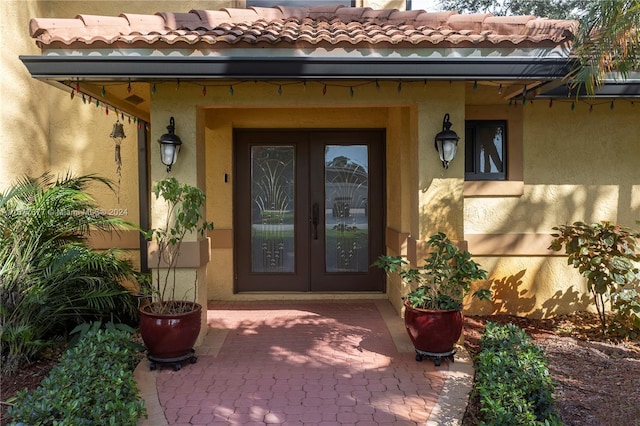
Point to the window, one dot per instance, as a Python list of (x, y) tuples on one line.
[(485, 150)]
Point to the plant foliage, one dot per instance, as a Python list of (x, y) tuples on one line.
[(607, 255), (512, 379), (184, 216), (608, 41), (50, 280), (555, 9), (91, 385), (444, 279)]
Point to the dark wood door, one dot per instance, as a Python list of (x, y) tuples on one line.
[(309, 210)]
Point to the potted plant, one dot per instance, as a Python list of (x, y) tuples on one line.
[(170, 325), (433, 307)]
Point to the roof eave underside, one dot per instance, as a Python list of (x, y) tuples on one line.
[(263, 68)]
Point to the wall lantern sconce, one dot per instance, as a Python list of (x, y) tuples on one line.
[(169, 146), (446, 142)]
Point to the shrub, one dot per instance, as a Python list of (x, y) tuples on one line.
[(50, 280), (445, 278), (512, 379), (606, 255), (91, 385)]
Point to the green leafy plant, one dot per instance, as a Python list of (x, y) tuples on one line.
[(91, 385), (444, 279), (607, 255), (86, 328), (512, 379), (184, 216), (50, 280)]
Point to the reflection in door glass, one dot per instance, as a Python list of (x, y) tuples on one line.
[(272, 215), (346, 210)]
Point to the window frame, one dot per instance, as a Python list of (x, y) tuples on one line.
[(513, 186), (473, 149)]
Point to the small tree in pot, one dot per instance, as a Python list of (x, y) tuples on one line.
[(184, 216), (433, 306)]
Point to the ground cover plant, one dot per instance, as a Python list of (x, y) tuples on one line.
[(91, 385), (513, 383), (595, 375), (50, 279)]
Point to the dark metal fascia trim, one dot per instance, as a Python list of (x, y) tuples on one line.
[(142, 68), (623, 89)]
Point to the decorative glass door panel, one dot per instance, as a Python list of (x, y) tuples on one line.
[(308, 210), (346, 183), (272, 202)]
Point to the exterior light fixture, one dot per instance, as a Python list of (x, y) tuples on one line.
[(169, 146), (446, 142)]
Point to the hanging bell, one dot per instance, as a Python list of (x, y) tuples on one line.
[(118, 131)]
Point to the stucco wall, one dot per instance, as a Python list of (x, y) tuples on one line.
[(410, 151), (23, 101), (45, 130), (578, 165)]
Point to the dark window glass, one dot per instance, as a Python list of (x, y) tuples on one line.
[(485, 150)]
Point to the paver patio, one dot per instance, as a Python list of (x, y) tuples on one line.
[(298, 363)]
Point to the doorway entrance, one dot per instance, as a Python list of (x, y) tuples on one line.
[(309, 210)]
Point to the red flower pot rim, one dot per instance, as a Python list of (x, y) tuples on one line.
[(408, 305), (146, 310)]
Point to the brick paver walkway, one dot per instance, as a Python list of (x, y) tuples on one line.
[(299, 363)]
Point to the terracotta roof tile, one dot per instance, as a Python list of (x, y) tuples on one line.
[(371, 15), (291, 26), (433, 20), (175, 20), (289, 12), (471, 22), (402, 17), (212, 18), (144, 23), (108, 23), (44, 29)]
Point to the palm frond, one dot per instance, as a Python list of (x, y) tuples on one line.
[(608, 41), (49, 279)]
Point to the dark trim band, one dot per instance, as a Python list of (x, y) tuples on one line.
[(156, 67)]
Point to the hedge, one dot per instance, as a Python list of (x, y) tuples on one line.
[(512, 379), (91, 385)]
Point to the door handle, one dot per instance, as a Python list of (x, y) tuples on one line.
[(315, 219)]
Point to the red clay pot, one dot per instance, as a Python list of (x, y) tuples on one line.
[(169, 336), (433, 331)]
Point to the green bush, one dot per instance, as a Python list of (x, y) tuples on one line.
[(607, 256), (512, 379), (91, 385), (50, 280)]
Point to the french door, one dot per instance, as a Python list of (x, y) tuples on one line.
[(309, 210)]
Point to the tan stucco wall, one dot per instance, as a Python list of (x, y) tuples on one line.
[(409, 144), (422, 197), (577, 166), (23, 101), (45, 130)]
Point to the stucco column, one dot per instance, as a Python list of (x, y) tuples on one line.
[(167, 102), (440, 198)]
